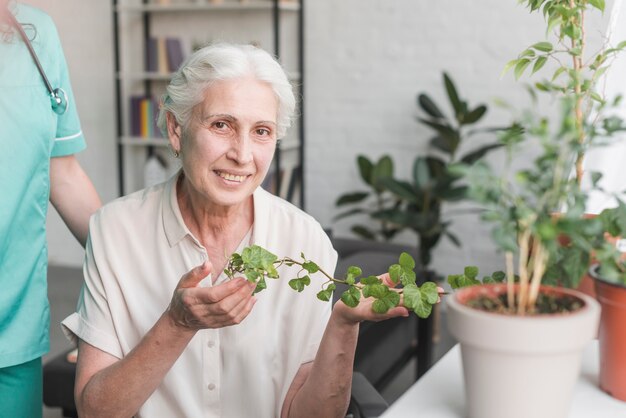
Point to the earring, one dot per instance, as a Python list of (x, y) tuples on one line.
[(176, 153)]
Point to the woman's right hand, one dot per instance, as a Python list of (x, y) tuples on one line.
[(193, 307)]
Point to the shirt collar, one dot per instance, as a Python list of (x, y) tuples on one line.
[(174, 225), (175, 228)]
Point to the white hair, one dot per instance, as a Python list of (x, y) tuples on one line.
[(222, 62)]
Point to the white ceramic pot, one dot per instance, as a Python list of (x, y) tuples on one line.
[(520, 366)]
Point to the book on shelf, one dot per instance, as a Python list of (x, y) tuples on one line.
[(164, 55), (144, 112)]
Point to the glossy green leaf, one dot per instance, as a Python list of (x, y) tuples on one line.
[(351, 297), (258, 257), (429, 106), (406, 261), (543, 46), (300, 283), (539, 63), (475, 115), (453, 96), (520, 67), (351, 198), (311, 267), (366, 168), (388, 301)]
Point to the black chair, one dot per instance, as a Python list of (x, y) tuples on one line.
[(58, 391), (384, 348)]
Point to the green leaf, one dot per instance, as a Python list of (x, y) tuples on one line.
[(382, 169), (543, 46), (300, 283), (260, 285), (520, 67), (558, 72), (475, 115), (369, 280), (453, 95), (365, 169), (429, 106), (395, 272), (421, 174), (479, 153), (376, 290), (311, 267), (348, 213), (406, 261), (353, 272), (401, 189), (258, 257), (471, 272), (541, 61), (508, 66), (363, 232), (351, 198), (498, 276), (598, 4), (324, 295), (430, 293), (388, 301), (411, 295), (351, 297), (327, 294)]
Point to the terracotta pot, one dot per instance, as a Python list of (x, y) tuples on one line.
[(520, 366), (612, 336)]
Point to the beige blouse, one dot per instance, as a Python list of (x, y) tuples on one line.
[(138, 249)]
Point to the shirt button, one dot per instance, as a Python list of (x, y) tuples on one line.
[(211, 344), (211, 386)]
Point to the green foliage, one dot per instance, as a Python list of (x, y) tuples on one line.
[(257, 264), (372, 201), (469, 278), (432, 183)]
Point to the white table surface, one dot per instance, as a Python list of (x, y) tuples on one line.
[(440, 394)]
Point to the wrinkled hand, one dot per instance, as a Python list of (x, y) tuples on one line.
[(364, 312), (195, 308)]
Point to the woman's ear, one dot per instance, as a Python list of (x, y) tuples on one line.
[(174, 132)]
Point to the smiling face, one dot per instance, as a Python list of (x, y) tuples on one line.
[(229, 145)]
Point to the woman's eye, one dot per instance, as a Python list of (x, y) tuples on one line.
[(263, 132), (220, 125)]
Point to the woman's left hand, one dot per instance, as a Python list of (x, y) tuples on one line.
[(364, 311)]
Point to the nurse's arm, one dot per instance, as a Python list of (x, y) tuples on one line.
[(73, 195)]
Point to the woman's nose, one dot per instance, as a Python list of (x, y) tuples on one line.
[(241, 150)]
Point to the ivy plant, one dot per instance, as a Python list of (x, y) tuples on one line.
[(258, 265)]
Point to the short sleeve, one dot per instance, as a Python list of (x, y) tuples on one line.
[(69, 137), (92, 322)]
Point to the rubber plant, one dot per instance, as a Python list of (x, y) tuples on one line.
[(417, 204)]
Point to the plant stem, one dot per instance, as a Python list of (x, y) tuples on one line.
[(578, 66), (539, 267), (522, 296), (510, 280)]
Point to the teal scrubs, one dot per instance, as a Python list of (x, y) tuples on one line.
[(30, 134)]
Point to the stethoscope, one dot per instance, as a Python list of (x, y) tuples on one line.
[(58, 97)]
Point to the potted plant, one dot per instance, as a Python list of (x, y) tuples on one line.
[(609, 276), (417, 204), (522, 334)]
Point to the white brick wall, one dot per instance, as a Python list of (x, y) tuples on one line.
[(366, 62)]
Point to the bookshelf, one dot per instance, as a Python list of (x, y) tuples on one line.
[(143, 27)]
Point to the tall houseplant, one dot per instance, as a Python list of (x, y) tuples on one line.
[(417, 204), (534, 347)]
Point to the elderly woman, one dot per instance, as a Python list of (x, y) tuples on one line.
[(162, 331)]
